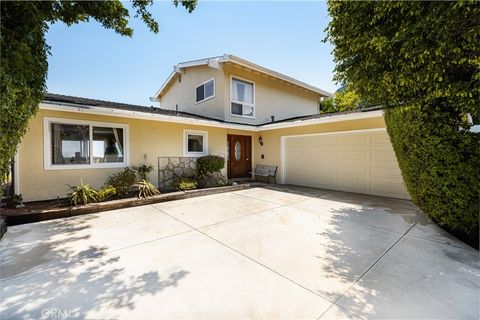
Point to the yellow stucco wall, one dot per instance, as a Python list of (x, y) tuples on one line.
[(272, 97), (183, 93), (154, 138), (272, 138)]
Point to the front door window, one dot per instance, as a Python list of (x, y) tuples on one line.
[(238, 150)]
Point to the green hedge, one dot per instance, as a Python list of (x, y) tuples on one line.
[(440, 165), (210, 164)]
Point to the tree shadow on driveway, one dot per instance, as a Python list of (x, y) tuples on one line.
[(79, 281)]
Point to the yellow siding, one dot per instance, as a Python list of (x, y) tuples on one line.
[(183, 93), (358, 161), (272, 97), (271, 138), (153, 138)]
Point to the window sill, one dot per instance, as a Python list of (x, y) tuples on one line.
[(60, 167), (194, 155), (239, 116), (209, 98)]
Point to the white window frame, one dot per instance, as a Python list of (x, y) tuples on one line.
[(203, 84), (232, 77), (47, 145), (186, 133)]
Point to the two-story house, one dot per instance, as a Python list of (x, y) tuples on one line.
[(222, 105)]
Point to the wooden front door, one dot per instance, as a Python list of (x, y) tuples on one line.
[(239, 156)]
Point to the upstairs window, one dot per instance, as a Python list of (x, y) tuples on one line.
[(205, 91), (242, 98)]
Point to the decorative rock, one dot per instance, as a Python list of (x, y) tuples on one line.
[(168, 175), (162, 163), (178, 172), (175, 162), (170, 167)]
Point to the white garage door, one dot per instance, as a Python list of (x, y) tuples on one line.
[(356, 161)]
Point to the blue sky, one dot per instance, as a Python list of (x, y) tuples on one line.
[(93, 62)]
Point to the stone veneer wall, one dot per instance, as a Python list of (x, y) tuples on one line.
[(170, 167)]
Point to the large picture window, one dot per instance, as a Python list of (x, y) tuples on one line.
[(205, 91), (242, 98), (72, 144)]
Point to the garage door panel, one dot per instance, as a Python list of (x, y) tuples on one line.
[(352, 185), (379, 138), (352, 170), (388, 189), (388, 171), (326, 170), (352, 155), (322, 155), (356, 162), (382, 153), (318, 184), (353, 139)]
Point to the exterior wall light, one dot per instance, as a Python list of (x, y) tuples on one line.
[(260, 140)]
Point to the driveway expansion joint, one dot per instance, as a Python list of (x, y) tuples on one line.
[(364, 273), (249, 258)]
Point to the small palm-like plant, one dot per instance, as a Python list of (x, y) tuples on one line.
[(82, 194), (145, 189)]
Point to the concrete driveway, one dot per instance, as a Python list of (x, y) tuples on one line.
[(270, 253)]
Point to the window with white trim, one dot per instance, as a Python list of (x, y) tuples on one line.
[(195, 143), (242, 98), (73, 144), (205, 91)]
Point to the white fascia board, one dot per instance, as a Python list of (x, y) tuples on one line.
[(140, 115), (201, 122), (248, 64), (215, 62), (212, 62), (170, 77), (326, 119)]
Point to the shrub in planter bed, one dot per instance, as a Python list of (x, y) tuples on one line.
[(144, 189), (15, 201), (208, 168), (184, 183), (106, 193), (143, 171), (122, 181), (210, 164), (83, 194), (210, 180)]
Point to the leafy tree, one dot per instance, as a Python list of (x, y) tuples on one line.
[(24, 53), (422, 61), (343, 100)]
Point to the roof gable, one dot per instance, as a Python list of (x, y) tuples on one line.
[(216, 62)]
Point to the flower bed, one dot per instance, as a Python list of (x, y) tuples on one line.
[(60, 209)]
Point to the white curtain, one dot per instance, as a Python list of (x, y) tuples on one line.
[(118, 141), (57, 157), (242, 91)]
